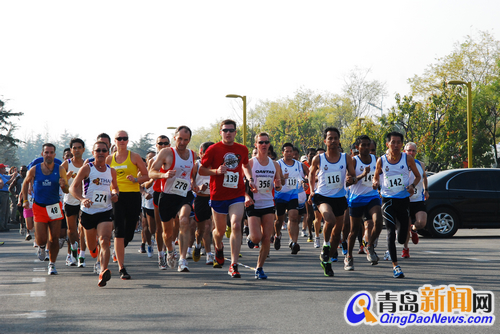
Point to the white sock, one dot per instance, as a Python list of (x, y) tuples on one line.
[(326, 243), (82, 253)]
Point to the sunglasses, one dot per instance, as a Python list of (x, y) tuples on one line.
[(228, 130), (101, 150), (121, 138), (163, 143), (263, 142)]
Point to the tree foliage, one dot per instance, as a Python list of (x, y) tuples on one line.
[(143, 145), (8, 143)]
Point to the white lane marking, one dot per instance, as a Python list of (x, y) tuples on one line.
[(38, 279), (476, 259), (28, 315), (39, 269), (431, 252), (31, 294), (38, 293), (34, 280)]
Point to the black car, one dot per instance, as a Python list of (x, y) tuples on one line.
[(463, 198)]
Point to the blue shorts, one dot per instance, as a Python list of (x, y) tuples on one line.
[(223, 206)]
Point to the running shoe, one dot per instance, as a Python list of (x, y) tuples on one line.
[(189, 253), (233, 271), (171, 260), (210, 259), (203, 251), (325, 254), (371, 256), (344, 247), (361, 250), (290, 243), (196, 254), (398, 273), (250, 243), (259, 274), (295, 248), (310, 239), (348, 263), (114, 256), (414, 236), (104, 277), (405, 253), (74, 250), (161, 262), (277, 242), (70, 260), (387, 256), (142, 249), (219, 257), (97, 268), (327, 267), (317, 244), (304, 233), (150, 251), (21, 229), (81, 262), (246, 230), (335, 256), (123, 274), (183, 266), (228, 231), (41, 253), (28, 237), (52, 269), (47, 256)]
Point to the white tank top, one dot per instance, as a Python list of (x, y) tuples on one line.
[(68, 198), (264, 181), (180, 184), (395, 178), (202, 179), (148, 203), (418, 195), (364, 187), (331, 177), (97, 188)]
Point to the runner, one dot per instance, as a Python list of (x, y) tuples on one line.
[(364, 202), (417, 200), (260, 200), (71, 204), (128, 207), (48, 177), (148, 213), (311, 152), (225, 162), (332, 168), (396, 188), (176, 198), (287, 199), (100, 189)]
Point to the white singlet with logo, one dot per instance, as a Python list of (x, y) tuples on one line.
[(68, 198), (331, 177), (202, 179), (418, 195), (180, 184), (97, 188), (395, 178), (264, 181)]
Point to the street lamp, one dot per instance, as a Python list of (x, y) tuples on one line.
[(244, 98), (379, 108), (469, 117)]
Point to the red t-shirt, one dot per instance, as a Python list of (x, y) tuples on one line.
[(230, 185)]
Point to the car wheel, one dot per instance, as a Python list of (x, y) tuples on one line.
[(442, 223)]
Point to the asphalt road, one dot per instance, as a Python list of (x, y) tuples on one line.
[(297, 297)]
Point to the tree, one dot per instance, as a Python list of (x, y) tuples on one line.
[(8, 143), (144, 145)]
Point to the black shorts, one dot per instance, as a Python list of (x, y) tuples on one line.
[(416, 207), (302, 210), (202, 209), (395, 209), (89, 221), (282, 207), (149, 212), (126, 211), (253, 212), (338, 204), (156, 198), (71, 210), (364, 211), (170, 205)]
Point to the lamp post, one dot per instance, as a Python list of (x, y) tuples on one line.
[(469, 117), (244, 98)]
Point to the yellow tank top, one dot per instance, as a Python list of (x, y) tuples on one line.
[(122, 170)]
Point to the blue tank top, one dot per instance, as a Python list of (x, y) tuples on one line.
[(46, 187)]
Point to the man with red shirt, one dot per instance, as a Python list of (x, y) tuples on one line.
[(225, 162)]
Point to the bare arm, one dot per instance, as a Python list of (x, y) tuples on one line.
[(63, 180), (413, 167), (76, 186), (30, 176), (312, 176), (376, 175)]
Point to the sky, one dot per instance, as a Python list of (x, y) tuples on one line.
[(87, 67)]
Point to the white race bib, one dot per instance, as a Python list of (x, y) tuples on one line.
[(54, 211), (180, 187), (367, 180), (231, 180), (394, 182), (333, 180), (264, 185), (100, 199), (291, 183)]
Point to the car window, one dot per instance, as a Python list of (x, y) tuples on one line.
[(473, 180)]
